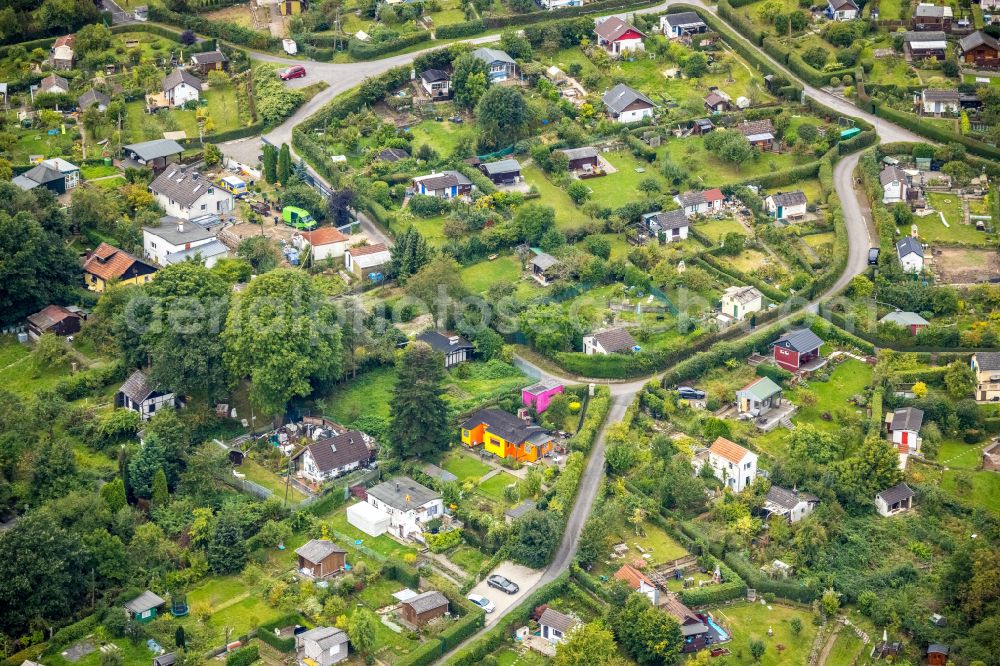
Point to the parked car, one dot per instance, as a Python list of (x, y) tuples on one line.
[(502, 584), (873, 256), (689, 393), (293, 72), (482, 602)]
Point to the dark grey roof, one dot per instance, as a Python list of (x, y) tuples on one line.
[(427, 601), (137, 386), (209, 58), (504, 424), (796, 198), (502, 166), (978, 38), (930, 11), (615, 340), (940, 95), (670, 219), (683, 19), (544, 261), (558, 621), (988, 360), (937, 648), (53, 80), (92, 97), (891, 173), (24, 182), (179, 76), (144, 602), (801, 340), (347, 448), (621, 96), (907, 418), (929, 36), (439, 474), (444, 341), (788, 499), (614, 27), (434, 75), (317, 550), (840, 4), (215, 248), (403, 493), (42, 174), (150, 150), (444, 179), (177, 231), (393, 154), (489, 55), (167, 659), (524, 507), (185, 186), (896, 494), (579, 153), (908, 244)]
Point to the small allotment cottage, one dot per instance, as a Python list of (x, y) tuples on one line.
[(895, 183), (144, 607), (693, 629), (613, 341), (500, 65), (334, 456), (673, 224), (786, 205), (407, 504), (540, 394), (139, 395), (796, 349), (93, 98), (543, 268), (911, 254), (911, 321), (156, 154), (705, 202), (718, 101), (682, 24), (455, 348), (758, 397), (732, 464), (903, 429), (934, 102), (627, 105), (367, 259), (792, 505), (444, 185), (45, 176), (581, 159), (892, 501), (738, 302), (841, 10), (979, 49), (210, 61), (61, 55), (555, 625), (417, 611), (922, 45), (326, 243), (759, 133), (54, 84), (436, 83), (186, 194), (54, 319), (321, 646), (928, 16), (321, 558), (618, 37), (638, 582), (180, 87), (502, 172)]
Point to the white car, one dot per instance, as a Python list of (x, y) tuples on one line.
[(482, 602)]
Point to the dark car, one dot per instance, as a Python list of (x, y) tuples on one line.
[(689, 393), (293, 72), (873, 256), (502, 584)]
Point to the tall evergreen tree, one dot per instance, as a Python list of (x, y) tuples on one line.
[(160, 494), (270, 163), (284, 164), (410, 253), (420, 415), (227, 551)]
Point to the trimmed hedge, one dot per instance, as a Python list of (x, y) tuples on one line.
[(464, 29), (244, 656), (933, 132), (265, 632), (711, 263), (231, 32), (365, 51), (597, 411), (732, 587), (786, 176), (933, 376), (401, 573), (788, 589)]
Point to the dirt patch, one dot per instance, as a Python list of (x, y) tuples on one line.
[(965, 265), (239, 14), (270, 229)]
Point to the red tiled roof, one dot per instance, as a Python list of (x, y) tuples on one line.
[(729, 450), (108, 262), (324, 236), (367, 249), (714, 194), (65, 40), (632, 576), (50, 316)]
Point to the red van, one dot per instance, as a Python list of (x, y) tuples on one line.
[(293, 72)]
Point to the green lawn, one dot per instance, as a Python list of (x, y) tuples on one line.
[(131, 654), (971, 78), (441, 136), (956, 454), (494, 486), (618, 189), (17, 373), (217, 591), (654, 541), (368, 394), (108, 183), (464, 466), (468, 558), (984, 490), (98, 171), (846, 648), (706, 170), (568, 215), (818, 240), (222, 106), (717, 229), (509, 656), (268, 479), (931, 229), (383, 544), (431, 228), (849, 378), (479, 277), (747, 622)]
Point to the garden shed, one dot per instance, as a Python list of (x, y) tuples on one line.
[(368, 519)]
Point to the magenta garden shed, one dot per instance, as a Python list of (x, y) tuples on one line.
[(539, 395)]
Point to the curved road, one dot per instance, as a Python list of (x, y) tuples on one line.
[(342, 77)]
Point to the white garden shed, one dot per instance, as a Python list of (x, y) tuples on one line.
[(368, 519)]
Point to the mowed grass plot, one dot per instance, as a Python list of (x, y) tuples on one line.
[(18, 373), (932, 229), (368, 394), (464, 466), (847, 379), (273, 482), (568, 215), (751, 622), (706, 170), (493, 487), (956, 454), (442, 136), (717, 229), (383, 544), (479, 277), (618, 189)]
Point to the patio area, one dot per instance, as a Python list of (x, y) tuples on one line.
[(773, 418)]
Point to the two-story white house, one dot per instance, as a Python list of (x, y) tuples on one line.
[(732, 464), (895, 183), (738, 302), (181, 86), (186, 194), (911, 254), (175, 240), (321, 646), (408, 505)]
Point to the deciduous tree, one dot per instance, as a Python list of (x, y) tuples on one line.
[(503, 116), (588, 645)]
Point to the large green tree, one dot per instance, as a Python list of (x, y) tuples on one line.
[(282, 334), (437, 286), (191, 304), (227, 551), (536, 535), (647, 634), (166, 440), (469, 80), (503, 115), (361, 630), (588, 645), (37, 268), (410, 253), (420, 422)]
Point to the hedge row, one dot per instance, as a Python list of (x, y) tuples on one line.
[(786, 176), (933, 132), (701, 362), (711, 263), (86, 383), (166, 33), (832, 333), (367, 51), (755, 578), (929, 376), (401, 573), (597, 411), (464, 29), (732, 587), (243, 656)]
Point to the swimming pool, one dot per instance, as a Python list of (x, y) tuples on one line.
[(720, 633)]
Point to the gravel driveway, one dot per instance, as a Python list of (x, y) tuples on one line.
[(523, 576)]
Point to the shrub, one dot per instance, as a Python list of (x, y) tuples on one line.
[(243, 656)]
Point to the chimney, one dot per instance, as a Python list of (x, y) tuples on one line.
[(452, 340), (397, 486), (180, 226)]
